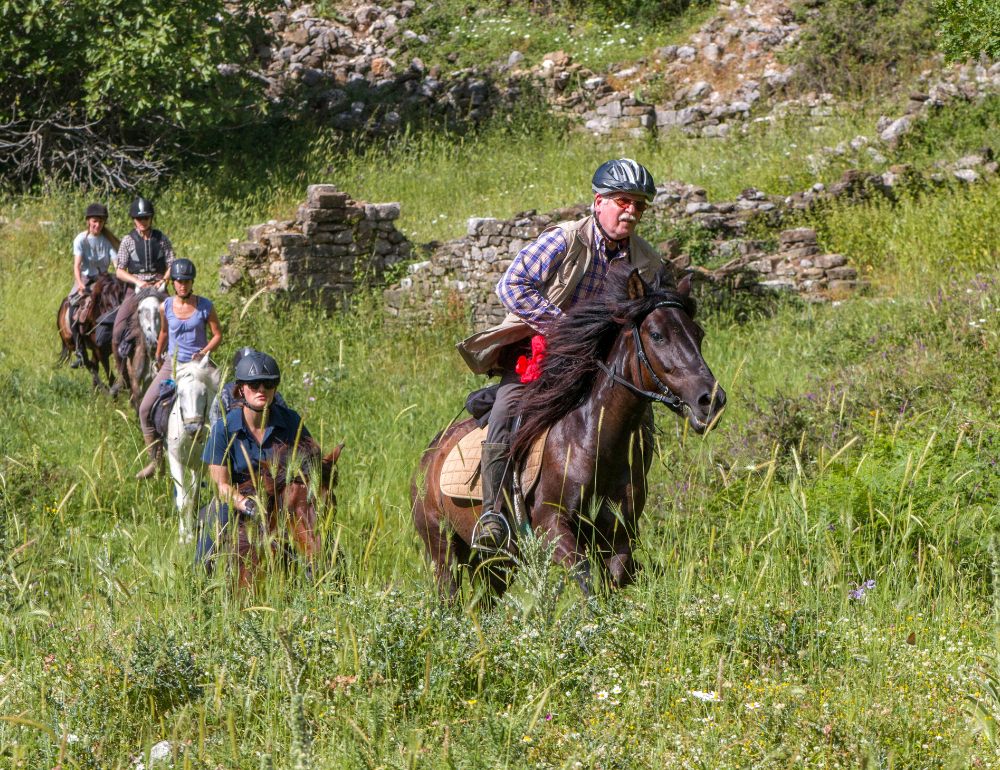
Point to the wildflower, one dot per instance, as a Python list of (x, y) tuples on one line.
[(712, 696), (860, 588), (602, 695), (616, 689), (526, 739), (753, 706)]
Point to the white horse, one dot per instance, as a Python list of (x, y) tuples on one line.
[(187, 431)]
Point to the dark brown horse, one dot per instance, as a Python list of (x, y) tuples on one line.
[(106, 294), (608, 360), (289, 524)]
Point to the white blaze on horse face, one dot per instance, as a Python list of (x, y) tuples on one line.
[(149, 320)]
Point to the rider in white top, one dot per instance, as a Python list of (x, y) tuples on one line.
[(93, 252)]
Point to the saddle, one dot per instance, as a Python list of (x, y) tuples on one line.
[(460, 474)]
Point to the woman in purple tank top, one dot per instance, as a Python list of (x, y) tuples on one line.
[(185, 320)]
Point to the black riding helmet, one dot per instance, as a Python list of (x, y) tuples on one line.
[(141, 207), (182, 270), (624, 175), (257, 366), (96, 210)]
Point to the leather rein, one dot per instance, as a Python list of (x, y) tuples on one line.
[(665, 395)]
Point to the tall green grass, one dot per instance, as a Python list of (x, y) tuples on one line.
[(859, 445)]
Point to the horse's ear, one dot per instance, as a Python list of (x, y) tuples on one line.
[(636, 288), (684, 287), (331, 459)]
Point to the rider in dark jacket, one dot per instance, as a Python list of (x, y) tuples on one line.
[(227, 401), (240, 441), (144, 259)]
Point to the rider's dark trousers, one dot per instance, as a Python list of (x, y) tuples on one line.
[(126, 309), (509, 396)]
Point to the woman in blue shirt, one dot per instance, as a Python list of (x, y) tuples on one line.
[(185, 320), (241, 440)]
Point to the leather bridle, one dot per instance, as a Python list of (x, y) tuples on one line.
[(665, 395)]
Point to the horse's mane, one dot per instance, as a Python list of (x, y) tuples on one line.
[(577, 342), (108, 292), (204, 374), (307, 457)]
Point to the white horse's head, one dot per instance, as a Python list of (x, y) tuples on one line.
[(197, 387), (149, 320)]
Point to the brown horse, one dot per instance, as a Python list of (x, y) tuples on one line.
[(608, 360), (289, 524), (106, 293)]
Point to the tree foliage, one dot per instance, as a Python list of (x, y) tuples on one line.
[(133, 76), (969, 28)]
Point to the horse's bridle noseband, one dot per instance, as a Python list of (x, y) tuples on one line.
[(665, 396)]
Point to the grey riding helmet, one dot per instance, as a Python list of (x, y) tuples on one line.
[(239, 355), (141, 207), (624, 175), (182, 270), (258, 366)]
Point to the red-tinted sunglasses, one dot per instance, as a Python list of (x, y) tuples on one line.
[(624, 203)]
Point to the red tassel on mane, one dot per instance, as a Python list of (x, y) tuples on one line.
[(531, 369)]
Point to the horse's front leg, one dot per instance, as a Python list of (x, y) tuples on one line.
[(181, 496), (552, 522), (619, 561)]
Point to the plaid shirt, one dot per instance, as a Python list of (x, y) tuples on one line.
[(520, 289), (127, 250)]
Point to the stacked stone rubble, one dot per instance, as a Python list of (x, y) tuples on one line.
[(464, 272), (332, 243), (799, 265)]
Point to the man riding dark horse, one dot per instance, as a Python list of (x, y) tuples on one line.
[(144, 258), (93, 251), (567, 264)]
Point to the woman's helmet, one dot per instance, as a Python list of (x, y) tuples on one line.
[(624, 175), (96, 210), (141, 208), (257, 366), (182, 270)]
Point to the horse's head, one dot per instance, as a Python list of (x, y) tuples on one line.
[(665, 347), (149, 319), (197, 386), (302, 481)]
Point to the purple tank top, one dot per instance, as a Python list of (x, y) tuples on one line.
[(187, 337)]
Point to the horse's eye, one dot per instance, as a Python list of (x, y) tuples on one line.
[(657, 337)]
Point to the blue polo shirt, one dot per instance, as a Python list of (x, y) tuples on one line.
[(231, 443)]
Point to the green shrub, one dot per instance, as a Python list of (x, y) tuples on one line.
[(79, 80), (857, 47), (969, 28)]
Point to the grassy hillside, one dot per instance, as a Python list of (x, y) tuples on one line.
[(819, 572)]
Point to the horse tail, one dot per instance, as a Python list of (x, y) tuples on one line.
[(64, 354)]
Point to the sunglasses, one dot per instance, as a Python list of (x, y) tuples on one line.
[(624, 203), (261, 384)]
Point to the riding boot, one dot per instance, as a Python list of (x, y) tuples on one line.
[(492, 529), (78, 345), (155, 449)]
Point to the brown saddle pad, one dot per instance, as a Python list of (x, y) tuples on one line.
[(460, 475)]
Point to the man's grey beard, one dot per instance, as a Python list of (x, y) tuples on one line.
[(626, 217)]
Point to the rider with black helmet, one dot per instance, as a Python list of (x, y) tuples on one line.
[(93, 251), (566, 264), (227, 401), (241, 440), (144, 258), (185, 320)]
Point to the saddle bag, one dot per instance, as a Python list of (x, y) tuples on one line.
[(105, 329), (480, 404), (159, 415)]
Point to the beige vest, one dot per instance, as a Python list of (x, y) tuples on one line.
[(482, 350)]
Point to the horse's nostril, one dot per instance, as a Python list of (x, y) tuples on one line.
[(705, 401)]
